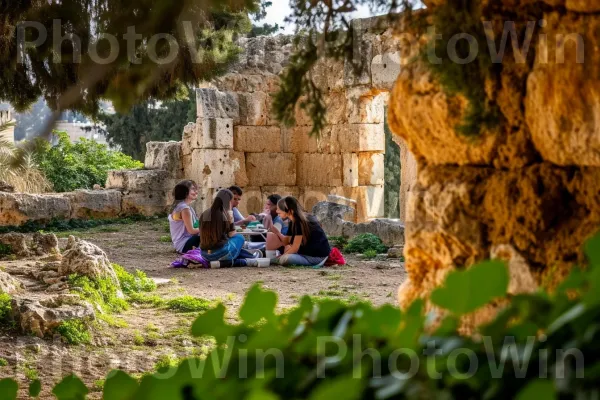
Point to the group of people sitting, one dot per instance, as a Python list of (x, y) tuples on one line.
[(297, 235)]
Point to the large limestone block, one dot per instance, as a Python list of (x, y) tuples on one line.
[(145, 203), (298, 140), (27, 245), (188, 141), (95, 204), (140, 180), (271, 169), (329, 74), (248, 83), (213, 133), (375, 201), (319, 170), (252, 201), (18, 208), (335, 104), (240, 176), (368, 200), (311, 196), (350, 169), (255, 108), (205, 199), (213, 168), (385, 69), (365, 106), (166, 156), (361, 137), (563, 97), (371, 168), (283, 191), (257, 139), (211, 103)]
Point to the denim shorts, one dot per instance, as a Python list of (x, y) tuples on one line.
[(300, 260), (230, 251)]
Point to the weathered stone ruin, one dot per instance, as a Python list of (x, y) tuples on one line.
[(237, 141), (529, 190), (37, 280)]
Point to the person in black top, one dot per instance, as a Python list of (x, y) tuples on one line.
[(305, 243)]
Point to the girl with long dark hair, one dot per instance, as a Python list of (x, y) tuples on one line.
[(183, 221), (218, 239), (305, 243)]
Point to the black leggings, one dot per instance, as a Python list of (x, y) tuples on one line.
[(192, 242)]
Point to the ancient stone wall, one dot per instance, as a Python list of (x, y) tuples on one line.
[(526, 191), (236, 139)]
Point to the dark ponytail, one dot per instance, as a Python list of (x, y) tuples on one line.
[(292, 206)]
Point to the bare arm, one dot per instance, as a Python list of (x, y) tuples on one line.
[(295, 246), (186, 215)]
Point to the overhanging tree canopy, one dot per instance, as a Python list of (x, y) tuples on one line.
[(122, 51)]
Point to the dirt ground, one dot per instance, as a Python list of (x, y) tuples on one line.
[(136, 339)]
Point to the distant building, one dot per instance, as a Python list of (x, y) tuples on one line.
[(7, 134), (78, 130)]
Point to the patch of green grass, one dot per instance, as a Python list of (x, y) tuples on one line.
[(5, 308), (152, 300), (74, 331), (107, 229), (3, 362), (188, 304), (98, 385), (166, 361), (31, 373), (334, 277), (100, 291), (112, 321), (230, 296), (330, 293), (134, 283), (165, 239), (138, 339), (152, 328), (370, 254)]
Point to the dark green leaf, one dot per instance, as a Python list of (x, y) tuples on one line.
[(538, 389), (119, 386), (466, 291), (212, 323), (259, 304), (35, 388), (70, 388), (342, 388), (592, 251), (8, 389)]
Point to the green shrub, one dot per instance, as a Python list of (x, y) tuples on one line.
[(79, 165), (188, 304), (165, 239), (5, 250), (338, 241), (370, 253), (74, 331), (365, 242), (3, 362), (5, 307), (134, 283)]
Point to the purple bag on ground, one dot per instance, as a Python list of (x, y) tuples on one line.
[(195, 257)]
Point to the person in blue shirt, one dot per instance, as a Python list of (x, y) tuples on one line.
[(238, 218)]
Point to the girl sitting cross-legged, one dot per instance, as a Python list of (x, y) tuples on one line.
[(218, 240), (305, 243)]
